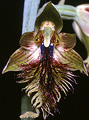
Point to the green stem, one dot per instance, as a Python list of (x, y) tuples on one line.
[(26, 106), (29, 17)]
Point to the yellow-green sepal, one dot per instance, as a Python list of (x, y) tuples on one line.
[(49, 13)]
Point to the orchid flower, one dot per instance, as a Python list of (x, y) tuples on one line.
[(46, 60), (81, 27)]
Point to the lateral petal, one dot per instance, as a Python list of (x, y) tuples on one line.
[(27, 41), (71, 59), (67, 41), (22, 59)]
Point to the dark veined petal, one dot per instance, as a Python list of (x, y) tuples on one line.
[(27, 40), (71, 59), (49, 13), (22, 59), (67, 41), (31, 40)]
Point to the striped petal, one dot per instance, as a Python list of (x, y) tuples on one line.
[(27, 41), (67, 41), (22, 59), (70, 59)]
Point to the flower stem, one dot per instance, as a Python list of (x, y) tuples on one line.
[(67, 11), (29, 17)]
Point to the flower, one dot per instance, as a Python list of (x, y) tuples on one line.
[(83, 18), (46, 60), (81, 27)]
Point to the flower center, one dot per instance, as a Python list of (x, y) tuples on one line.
[(47, 52)]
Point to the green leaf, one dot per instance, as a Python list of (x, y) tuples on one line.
[(29, 15), (49, 13)]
